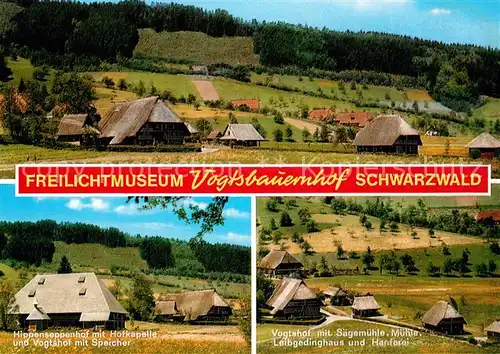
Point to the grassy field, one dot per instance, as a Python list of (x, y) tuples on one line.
[(22, 68), (106, 98), (177, 338), (490, 110), (416, 345), (196, 47)]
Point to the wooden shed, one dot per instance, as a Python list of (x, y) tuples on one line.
[(73, 127), (292, 298), (486, 144), (442, 317), (279, 263), (389, 134), (365, 306), (493, 331), (241, 135), (336, 296), (146, 121)]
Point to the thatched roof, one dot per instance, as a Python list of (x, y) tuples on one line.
[(214, 134), (486, 214), (241, 132), (287, 290), (366, 302), (127, 118), (441, 311), (334, 291), (194, 304), (384, 130), (484, 141), (166, 307), (66, 293), (72, 124), (275, 258), (494, 327)]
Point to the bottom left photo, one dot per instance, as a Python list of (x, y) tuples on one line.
[(124, 274)]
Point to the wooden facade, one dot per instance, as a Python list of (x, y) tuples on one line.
[(442, 317), (159, 133)]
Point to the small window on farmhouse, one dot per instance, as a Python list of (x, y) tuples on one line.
[(83, 291), (32, 293), (81, 279), (41, 281)]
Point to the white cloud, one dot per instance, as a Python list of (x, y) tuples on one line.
[(438, 12), (127, 209), (191, 202), (95, 204), (236, 214), (234, 237)]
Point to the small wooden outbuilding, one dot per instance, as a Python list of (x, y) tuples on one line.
[(493, 331), (73, 128), (242, 135), (442, 317), (365, 306), (214, 136), (279, 263), (336, 296), (486, 144), (292, 298), (389, 134)]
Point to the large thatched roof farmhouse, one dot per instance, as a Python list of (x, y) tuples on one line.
[(365, 306), (193, 306), (493, 331), (487, 144), (145, 121), (242, 135), (292, 298), (76, 300), (442, 317), (390, 134), (280, 263)]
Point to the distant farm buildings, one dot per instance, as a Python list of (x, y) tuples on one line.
[(146, 121), (351, 119), (493, 331), (365, 306), (292, 298), (389, 134), (67, 300), (491, 216), (442, 317), (486, 144), (214, 136), (252, 104), (193, 306), (241, 135), (337, 296), (280, 264), (73, 127)]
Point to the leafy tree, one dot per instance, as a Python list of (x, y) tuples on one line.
[(64, 266), (306, 247), (481, 269), (141, 302), (243, 316), (340, 251), (278, 135), (368, 258), (448, 266), (304, 215), (7, 304), (74, 92), (295, 237), (311, 226), (122, 84), (272, 205), (288, 133), (432, 270), (285, 219), (203, 126), (305, 134), (278, 118), (492, 266), (272, 224), (232, 118)]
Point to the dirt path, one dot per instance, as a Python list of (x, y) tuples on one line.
[(301, 124), (207, 90)]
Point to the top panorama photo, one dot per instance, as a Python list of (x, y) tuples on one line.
[(137, 82)]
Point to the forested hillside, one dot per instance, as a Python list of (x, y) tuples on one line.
[(33, 243), (80, 36)]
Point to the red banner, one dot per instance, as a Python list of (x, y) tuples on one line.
[(73, 179)]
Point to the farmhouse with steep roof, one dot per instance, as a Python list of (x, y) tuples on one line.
[(487, 144), (365, 306), (279, 263), (146, 121), (442, 317), (73, 127), (292, 298), (193, 306), (242, 135), (67, 300), (389, 134), (493, 331)]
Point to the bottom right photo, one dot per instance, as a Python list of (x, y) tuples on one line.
[(378, 274)]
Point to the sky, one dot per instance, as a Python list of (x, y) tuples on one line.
[(451, 21), (115, 212)]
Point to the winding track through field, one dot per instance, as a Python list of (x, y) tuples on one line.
[(206, 89), (301, 124)]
